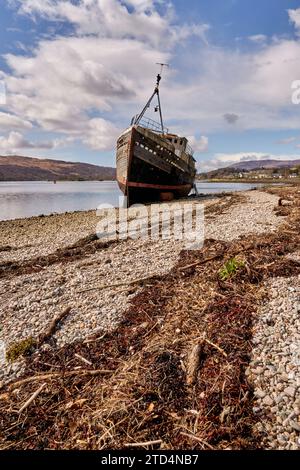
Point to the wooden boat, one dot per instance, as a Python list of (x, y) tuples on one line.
[(152, 164)]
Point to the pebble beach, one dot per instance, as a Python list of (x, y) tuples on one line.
[(99, 287)]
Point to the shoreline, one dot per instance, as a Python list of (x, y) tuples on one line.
[(94, 285), (260, 181), (110, 197)]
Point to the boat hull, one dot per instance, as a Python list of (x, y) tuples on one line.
[(148, 170)]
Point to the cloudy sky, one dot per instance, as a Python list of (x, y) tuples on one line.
[(74, 72)]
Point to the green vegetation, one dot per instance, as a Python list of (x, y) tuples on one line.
[(20, 348), (230, 268)]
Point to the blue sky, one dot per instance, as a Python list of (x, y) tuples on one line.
[(239, 18), (76, 71)]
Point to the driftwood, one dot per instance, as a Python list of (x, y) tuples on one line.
[(142, 444), (206, 260), (194, 358), (83, 359), (45, 336), (193, 363), (216, 347), (33, 397), (54, 375)]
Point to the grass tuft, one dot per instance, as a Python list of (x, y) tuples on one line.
[(20, 348), (230, 268)]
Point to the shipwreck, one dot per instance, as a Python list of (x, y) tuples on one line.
[(153, 164)]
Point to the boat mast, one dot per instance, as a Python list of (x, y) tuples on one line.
[(156, 92)]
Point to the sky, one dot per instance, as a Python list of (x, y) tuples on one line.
[(74, 72)]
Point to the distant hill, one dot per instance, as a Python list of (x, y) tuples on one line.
[(250, 165), (17, 168), (266, 164)]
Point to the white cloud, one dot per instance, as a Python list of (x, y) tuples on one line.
[(101, 134), (16, 141), (10, 121), (107, 66), (113, 19), (88, 84), (258, 38), (237, 157), (90, 75), (199, 145), (255, 85), (294, 16)]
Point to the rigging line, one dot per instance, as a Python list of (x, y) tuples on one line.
[(139, 117), (160, 113)]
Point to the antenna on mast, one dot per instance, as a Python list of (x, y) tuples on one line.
[(160, 73), (162, 67), (156, 92)]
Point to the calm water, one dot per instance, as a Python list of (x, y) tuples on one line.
[(25, 199)]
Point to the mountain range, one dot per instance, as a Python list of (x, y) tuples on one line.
[(18, 168)]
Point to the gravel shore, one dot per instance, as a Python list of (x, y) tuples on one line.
[(96, 286), (275, 366), (29, 302), (22, 239)]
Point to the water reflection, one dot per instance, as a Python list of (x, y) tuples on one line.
[(27, 198)]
